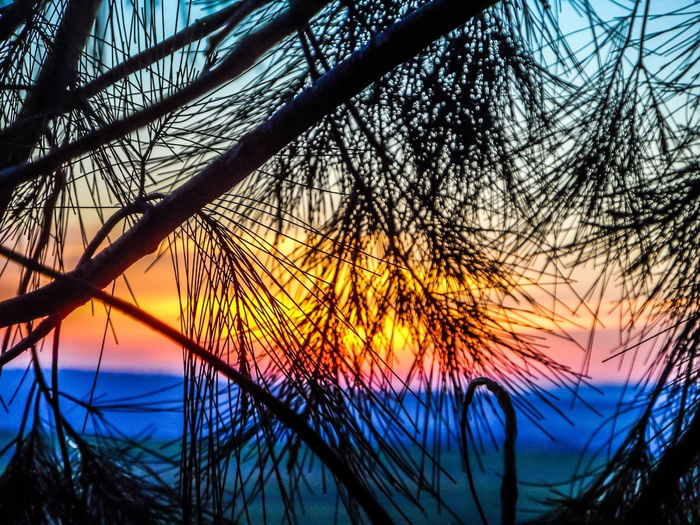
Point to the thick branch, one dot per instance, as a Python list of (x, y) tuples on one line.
[(284, 414), (398, 43), (238, 61)]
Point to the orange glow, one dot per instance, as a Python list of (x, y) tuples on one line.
[(128, 345), (131, 346)]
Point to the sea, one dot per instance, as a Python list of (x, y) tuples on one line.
[(558, 441)]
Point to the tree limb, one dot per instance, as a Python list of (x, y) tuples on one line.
[(284, 414), (243, 56), (398, 43)]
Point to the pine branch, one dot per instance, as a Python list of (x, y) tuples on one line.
[(243, 56), (340, 469), (47, 96), (398, 43), (676, 461), (228, 16)]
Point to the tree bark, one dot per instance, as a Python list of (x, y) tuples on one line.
[(398, 43), (49, 93)]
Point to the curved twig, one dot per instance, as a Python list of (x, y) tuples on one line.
[(139, 206), (509, 485)]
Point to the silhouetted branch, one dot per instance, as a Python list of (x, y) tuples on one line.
[(244, 54), (509, 485), (678, 460), (400, 41), (47, 96), (228, 16), (340, 469)]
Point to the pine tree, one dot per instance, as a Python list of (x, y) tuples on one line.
[(339, 185)]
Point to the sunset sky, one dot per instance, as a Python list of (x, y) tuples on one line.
[(129, 346), (349, 261)]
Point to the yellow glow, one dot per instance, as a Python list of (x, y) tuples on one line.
[(137, 348)]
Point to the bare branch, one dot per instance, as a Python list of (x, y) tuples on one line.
[(340, 469), (396, 44)]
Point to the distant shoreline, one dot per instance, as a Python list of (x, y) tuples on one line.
[(542, 462)]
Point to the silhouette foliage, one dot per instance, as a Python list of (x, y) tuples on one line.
[(339, 187)]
